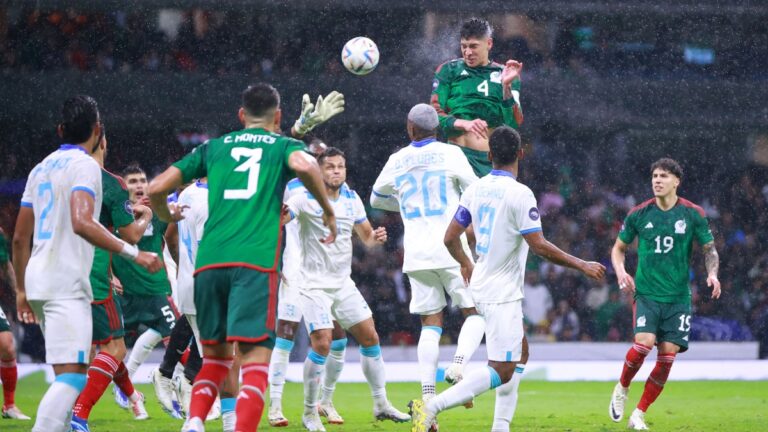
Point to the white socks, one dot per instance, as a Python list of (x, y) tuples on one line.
[(470, 336), (333, 368), (373, 369), (141, 350), (55, 410), (506, 401), (278, 365), (314, 366), (428, 353), (474, 384)]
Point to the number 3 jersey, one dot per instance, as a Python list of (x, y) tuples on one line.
[(61, 260), (247, 172), (426, 178), (664, 247)]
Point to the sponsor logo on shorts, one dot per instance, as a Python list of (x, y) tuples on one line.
[(533, 213), (680, 227), (641, 321)]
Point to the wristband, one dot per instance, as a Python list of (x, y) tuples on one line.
[(129, 251)]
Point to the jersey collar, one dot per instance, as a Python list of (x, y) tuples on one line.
[(423, 142), (503, 173), (65, 147)]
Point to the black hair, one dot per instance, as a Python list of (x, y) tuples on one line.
[(79, 116), (260, 98), (133, 168), (476, 28), (330, 152), (669, 165), (504, 144)]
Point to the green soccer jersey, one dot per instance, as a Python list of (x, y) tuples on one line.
[(665, 240), (116, 212), (463, 92), (3, 248), (247, 171), (135, 279)]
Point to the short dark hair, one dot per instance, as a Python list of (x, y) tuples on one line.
[(133, 168), (669, 165), (330, 152), (79, 116), (504, 144), (259, 98), (476, 28)]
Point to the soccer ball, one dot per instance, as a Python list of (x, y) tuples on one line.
[(360, 56)]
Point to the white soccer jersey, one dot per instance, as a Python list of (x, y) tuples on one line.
[(292, 254), (326, 266), (61, 260), (502, 211), (426, 178), (191, 229)]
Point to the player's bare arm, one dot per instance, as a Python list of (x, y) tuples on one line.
[(159, 188), (22, 250), (133, 232), (308, 171), (618, 257), (712, 263), (369, 236), (172, 240), (452, 241), (543, 248), (512, 69)]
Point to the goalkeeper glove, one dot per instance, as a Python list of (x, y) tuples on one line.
[(318, 113)]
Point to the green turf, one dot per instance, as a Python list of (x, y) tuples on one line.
[(544, 406)]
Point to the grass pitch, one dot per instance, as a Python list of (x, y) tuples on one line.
[(543, 406)]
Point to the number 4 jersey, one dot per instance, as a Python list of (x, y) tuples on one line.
[(427, 179), (664, 245), (247, 171)]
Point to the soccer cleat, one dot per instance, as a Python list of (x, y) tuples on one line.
[(276, 417), (138, 409), (164, 392), (193, 425), (78, 424), (183, 393), (215, 411), (454, 374), (312, 422), (229, 420), (388, 412), (13, 412), (120, 398), (421, 418), (618, 399), (637, 420), (328, 411)]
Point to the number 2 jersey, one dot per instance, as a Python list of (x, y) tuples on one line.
[(664, 247), (247, 172), (61, 260), (427, 178)]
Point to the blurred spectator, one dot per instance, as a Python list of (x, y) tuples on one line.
[(537, 301), (565, 323)]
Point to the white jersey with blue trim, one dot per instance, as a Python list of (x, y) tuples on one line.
[(292, 257), (61, 260), (426, 178), (326, 266), (194, 202), (501, 211)]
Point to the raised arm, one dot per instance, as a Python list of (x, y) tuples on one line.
[(159, 189), (369, 236), (543, 248), (134, 231), (712, 262), (308, 171)]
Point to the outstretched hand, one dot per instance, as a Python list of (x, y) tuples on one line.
[(513, 69)]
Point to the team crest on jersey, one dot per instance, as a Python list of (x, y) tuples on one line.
[(128, 207), (641, 321), (680, 227), (496, 77), (435, 83), (533, 213)]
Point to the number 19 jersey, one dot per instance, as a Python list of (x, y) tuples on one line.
[(426, 178)]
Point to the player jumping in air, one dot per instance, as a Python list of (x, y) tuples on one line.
[(237, 260), (58, 216), (665, 227), (507, 223), (475, 95), (329, 294)]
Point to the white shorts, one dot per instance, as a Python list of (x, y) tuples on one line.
[(428, 289), (289, 302), (195, 331), (503, 330), (67, 326), (323, 306)]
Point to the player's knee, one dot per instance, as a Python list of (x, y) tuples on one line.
[(287, 329), (321, 344), (369, 339)]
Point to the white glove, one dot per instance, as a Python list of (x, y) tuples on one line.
[(319, 113)]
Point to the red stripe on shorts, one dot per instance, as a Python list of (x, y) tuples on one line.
[(272, 301)]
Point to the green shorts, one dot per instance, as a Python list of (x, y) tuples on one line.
[(478, 160), (107, 321), (153, 312), (4, 324), (236, 304), (670, 322)]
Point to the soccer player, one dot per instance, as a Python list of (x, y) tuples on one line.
[(116, 213), (145, 299), (237, 259), (665, 227), (58, 217), (328, 293), (474, 95), (8, 371), (507, 224), (423, 181)]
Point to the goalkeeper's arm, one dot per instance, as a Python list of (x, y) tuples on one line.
[(316, 114)]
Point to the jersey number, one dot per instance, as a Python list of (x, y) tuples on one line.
[(487, 215), (251, 165), (45, 192), (668, 242), (685, 323), (433, 191), (483, 88)]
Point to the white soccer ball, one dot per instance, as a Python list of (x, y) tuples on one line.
[(360, 55)]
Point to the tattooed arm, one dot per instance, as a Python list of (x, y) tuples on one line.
[(712, 262)]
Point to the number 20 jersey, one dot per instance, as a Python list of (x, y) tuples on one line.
[(426, 178), (247, 172)]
